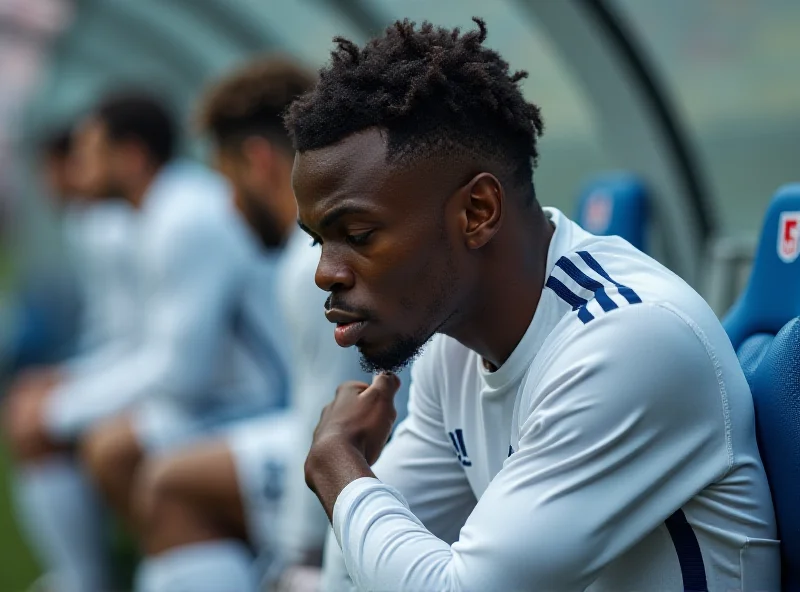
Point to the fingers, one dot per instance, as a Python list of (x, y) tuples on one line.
[(351, 385), (385, 384)]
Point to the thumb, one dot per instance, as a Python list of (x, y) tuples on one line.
[(386, 384)]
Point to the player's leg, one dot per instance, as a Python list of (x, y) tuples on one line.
[(62, 520), (56, 506), (191, 517), (262, 448), (111, 453)]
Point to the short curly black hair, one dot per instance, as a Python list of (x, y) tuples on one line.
[(435, 91)]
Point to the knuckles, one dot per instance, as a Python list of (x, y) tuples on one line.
[(351, 386)]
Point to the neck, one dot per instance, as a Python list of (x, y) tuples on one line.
[(510, 288), (137, 189)]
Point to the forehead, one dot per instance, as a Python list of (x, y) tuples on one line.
[(356, 170)]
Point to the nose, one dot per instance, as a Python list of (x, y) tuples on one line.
[(333, 274)]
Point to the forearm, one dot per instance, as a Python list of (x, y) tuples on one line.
[(83, 399), (385, 546), (330, 466)]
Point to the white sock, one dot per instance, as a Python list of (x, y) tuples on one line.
[(217, 566), (63, 522)]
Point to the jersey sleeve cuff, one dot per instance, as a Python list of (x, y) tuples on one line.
[(354, 493)]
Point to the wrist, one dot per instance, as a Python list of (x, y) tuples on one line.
[(332, 464)]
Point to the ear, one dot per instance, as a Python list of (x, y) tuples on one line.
[(483, 209)]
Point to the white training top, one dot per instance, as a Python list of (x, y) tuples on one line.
[(209, 332), (102, 252), (615, 449)]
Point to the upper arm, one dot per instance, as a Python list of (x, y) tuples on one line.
[(198, 273), (625, 426)]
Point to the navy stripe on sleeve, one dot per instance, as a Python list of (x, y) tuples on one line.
[(568, 296), (690, 558), (627, 293), (585, 281)]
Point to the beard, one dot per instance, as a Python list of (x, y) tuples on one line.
[(403, 351), (407, 348), (262, 221)]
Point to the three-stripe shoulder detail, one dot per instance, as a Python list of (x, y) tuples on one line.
[(585, 281)]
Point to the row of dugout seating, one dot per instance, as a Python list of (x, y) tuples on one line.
[(763, 325)]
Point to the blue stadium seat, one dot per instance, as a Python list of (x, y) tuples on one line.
[(614, 204), (765, 331)]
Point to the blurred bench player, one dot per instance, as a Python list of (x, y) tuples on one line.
[(204, 353), (201, 506), (579, 420), (99, 254), (92, 285)]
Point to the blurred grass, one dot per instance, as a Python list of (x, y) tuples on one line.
[(18, 569)]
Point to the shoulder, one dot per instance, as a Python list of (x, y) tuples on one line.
[(201, 218), (108, 226), (604, 275), (186, 196), (647, 362), (627, 322), (618, 298)]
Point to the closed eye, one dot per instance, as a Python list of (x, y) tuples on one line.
[(358, 240)]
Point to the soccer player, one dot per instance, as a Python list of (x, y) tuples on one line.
[(95, 248), (99, 254), (578, 420), (205, 350), (202, 505)]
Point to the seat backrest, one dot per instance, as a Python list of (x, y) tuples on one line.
[(614, 204), (772, 367), (765, 331), (772, 295)]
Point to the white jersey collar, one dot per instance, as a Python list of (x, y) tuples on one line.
[(567, 234)]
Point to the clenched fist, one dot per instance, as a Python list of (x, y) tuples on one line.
[(350, 436)]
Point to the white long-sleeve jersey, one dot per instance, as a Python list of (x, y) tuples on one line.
[(614, 450), (101, 244), (208, 324)]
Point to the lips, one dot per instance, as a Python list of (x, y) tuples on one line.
[(348, 334), (349, 327)]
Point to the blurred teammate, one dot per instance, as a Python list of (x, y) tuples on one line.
[(204, 352), (201, 505), (97, 236), (40, 325), (579, 419)]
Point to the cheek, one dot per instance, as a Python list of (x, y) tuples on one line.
[(410, 273)]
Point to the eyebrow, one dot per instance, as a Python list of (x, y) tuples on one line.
[(336, 213)]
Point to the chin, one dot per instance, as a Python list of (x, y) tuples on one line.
[(394, 355)]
